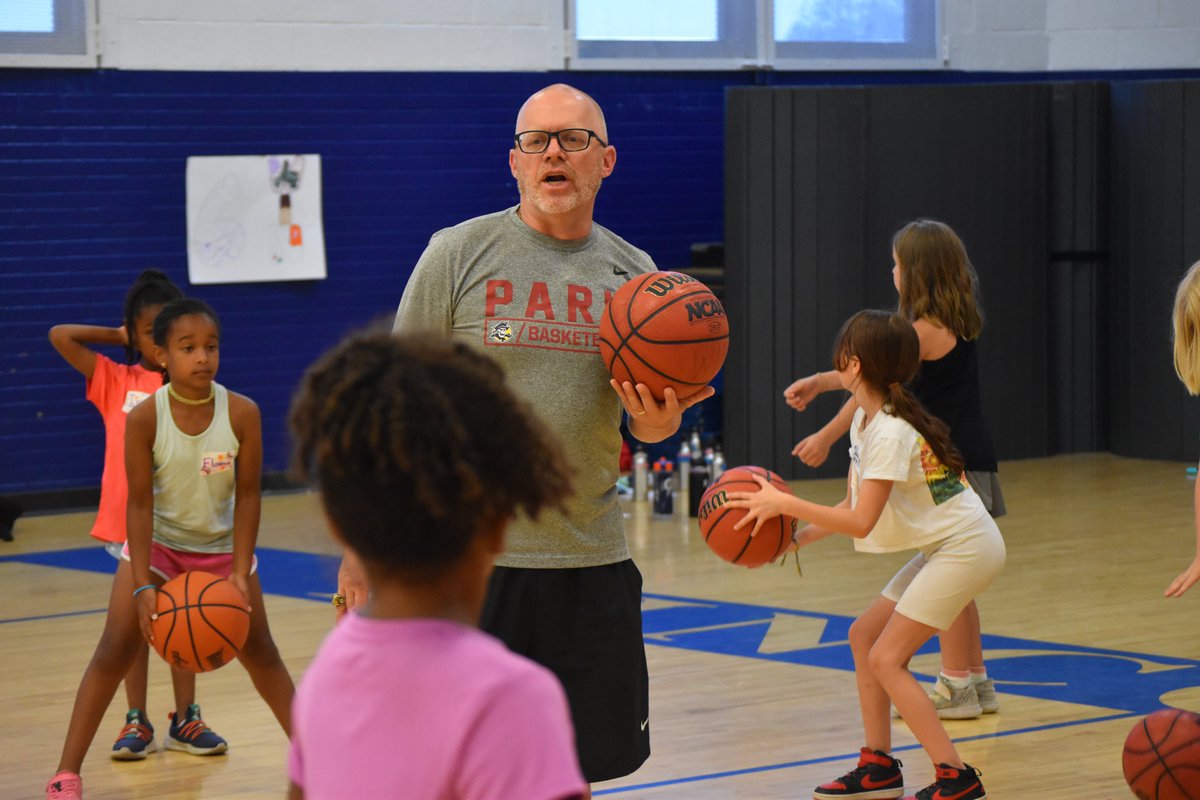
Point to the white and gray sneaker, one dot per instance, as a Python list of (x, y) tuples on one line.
[(986, 692), (952, 702)]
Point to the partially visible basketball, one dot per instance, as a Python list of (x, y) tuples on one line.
[(202, 622), (664, 329), (1162, 756), (717, 520)]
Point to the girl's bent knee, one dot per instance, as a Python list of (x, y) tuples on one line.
[(883, 662)]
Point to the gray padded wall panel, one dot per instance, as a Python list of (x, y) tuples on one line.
[(1156, 235), (817, 181)]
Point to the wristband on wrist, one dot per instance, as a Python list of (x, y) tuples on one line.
[(143, 588)]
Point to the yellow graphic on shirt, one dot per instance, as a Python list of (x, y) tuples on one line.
[(941, 482)]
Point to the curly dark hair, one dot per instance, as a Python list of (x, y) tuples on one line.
[(417, 445)]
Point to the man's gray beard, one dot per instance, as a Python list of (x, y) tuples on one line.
[(585, 190)]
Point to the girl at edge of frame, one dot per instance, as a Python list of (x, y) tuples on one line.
[(114, 389), (938, 291), (191, 439), (905, 489), (1186, 339)]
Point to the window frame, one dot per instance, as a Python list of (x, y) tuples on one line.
[(923, 49), (668, 55), (42, 50), (926, 50)]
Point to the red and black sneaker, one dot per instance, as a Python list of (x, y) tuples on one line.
[(953, 784), (877, 777)]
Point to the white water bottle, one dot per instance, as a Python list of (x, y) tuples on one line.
[(684, 470), (641, 469)]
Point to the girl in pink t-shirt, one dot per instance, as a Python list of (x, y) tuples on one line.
[(115, 389), (406, 697)]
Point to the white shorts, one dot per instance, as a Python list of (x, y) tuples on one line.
[(940, 580)]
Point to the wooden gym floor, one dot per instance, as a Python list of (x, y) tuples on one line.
[(752, 688)]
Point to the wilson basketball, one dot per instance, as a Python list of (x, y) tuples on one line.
[(1162, 756), (717, 520), (202, 622), (664, 329)]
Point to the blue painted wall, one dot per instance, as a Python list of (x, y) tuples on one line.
[(92, 192)]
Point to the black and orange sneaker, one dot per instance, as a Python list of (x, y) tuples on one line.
[(877, 777), (953, 784)]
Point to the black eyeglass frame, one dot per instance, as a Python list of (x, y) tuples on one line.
[(555, 135)]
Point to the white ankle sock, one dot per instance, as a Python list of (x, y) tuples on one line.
[(957, 683)]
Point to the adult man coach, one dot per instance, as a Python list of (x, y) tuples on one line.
[(528, 285)]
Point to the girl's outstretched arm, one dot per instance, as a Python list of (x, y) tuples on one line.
[(71, 342), (1192, 573), (814, 533), (768, 502), (247, 505), (804, 390), (814, 448)]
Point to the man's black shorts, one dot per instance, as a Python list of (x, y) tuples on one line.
[(585, 625)]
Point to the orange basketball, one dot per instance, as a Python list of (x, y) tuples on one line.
[(1161, 759), (717, 520), (664, 329), (202, 622)]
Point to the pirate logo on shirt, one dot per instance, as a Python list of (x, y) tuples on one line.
[(501, 332)]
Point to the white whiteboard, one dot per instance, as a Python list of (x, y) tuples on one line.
[(254, 218)]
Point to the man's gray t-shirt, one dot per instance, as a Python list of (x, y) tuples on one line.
[(533, 303)]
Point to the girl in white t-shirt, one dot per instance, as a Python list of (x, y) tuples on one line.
[(906, 491)]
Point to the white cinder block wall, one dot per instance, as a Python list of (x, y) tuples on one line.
[(528, 35), (332, 35)]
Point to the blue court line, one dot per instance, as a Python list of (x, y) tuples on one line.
[(1089, 676), (54, 616), (1128, 683), (845, 757)]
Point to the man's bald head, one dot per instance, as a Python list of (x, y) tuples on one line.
[(560, 99)]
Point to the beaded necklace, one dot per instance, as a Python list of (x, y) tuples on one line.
[(212, 392)]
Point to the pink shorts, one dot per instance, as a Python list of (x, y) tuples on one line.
[(167, 563)]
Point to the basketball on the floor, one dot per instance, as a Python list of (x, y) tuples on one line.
[(664, 329), (1162, 756), (717, 520), (202, 622)]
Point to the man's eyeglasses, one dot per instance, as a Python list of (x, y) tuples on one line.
[(569, 139)]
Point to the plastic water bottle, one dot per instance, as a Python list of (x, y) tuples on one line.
[(684, 472), (664, 505), (694, 443), (641, 477), (698, 482), (718, 463)]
